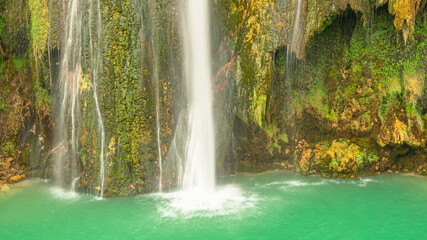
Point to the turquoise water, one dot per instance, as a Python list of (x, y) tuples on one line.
[(277, 205)]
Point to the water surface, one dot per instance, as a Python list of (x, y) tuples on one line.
[(276, 205)]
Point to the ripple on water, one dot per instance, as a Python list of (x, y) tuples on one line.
[(196, 202)]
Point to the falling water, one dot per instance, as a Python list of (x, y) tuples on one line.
[(159, 141), (200, 158), (74, 183), (296, 39), (159, 149), (58, 147), (70, 77), (194, 134), (297, 29), (95, 65)]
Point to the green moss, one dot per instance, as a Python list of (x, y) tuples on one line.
[(388, 101), (39, 27), (326, 54), (258, 106), (354, 73), (250, 24), (124, 100)]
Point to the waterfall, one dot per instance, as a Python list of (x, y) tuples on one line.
[(194, 135), (95, 66), (298, 29), (199, 170), (69, 82), (296, 39)]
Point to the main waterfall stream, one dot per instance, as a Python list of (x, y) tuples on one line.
[(199, 196), (200, 164), (282, 206)]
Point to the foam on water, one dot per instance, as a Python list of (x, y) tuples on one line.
[(60, 193), (295, 183), (196, 202), (360, 182)]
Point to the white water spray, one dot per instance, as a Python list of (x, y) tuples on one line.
[(200, 158)]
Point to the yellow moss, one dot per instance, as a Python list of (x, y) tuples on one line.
[(305, 163), (342, 157), (94, 138), (398, 132), (405, 12), (17, 178), (84, 135), (303, 155), (135, 140), (391, 86), (111, 147), (85, 83), (414, 87)]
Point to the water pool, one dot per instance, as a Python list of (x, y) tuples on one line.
[(274, 205)]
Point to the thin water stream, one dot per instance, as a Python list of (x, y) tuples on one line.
[(95, 66)]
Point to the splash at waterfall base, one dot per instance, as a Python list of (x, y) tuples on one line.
[(197, 202)]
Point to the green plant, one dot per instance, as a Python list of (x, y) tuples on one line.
[(284, 137), (43, 97), (274, 133), (8, 149), (370, 156), (3, 106), (20, 63)]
